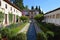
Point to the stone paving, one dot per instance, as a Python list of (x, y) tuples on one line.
[(25, 29), (38, 30)]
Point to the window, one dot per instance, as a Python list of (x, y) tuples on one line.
[(57, 15), (0, 2), (6, 6), (14, 10), (5, 18), (53, 16), (11, 8)]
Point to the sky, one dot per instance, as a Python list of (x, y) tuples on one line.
[(46, 5)]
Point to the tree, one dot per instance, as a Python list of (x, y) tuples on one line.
[(19, 3), (36, 8), (42, 12), (24, 18), (32, 8), (39, 10), (26, 7), (39, 17)]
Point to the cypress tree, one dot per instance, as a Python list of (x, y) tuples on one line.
[(39, 10), (36, 8), (32, 8)]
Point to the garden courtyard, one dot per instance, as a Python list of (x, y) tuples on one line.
[(19, 22), (32, 30)]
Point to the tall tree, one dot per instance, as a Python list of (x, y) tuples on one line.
[(36, 8), (39, 10), (19, 3), (42, 12), (32, 8), (26, 7)]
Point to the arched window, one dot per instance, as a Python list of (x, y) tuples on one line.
[(6, 6)]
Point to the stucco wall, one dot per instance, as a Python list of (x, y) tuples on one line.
[(52, 20)]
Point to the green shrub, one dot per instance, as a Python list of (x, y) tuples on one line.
[(10, 17), (39, 17), (48, 34), (41, 36), (0, 37), (17, 16), (24, 18), (42, 27), (21, 36), (45, 36), (5, 33), (1, 16)]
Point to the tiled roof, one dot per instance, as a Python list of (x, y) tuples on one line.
[(53, 10)]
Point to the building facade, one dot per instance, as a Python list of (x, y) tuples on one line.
[(32, 13), (7, 7), (53, 16)]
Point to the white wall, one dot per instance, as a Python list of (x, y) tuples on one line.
[(53, 20), (6, 11)]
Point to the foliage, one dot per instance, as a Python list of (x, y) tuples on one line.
[(17, 16), (10, 17), (39, 10), (1, 16), (47, 34), (0, 36), (54, 28), (50, 33), (19, 3), (5, 33), (32, 8), (39, 17), (24, 18), (41, 36), (36, 8), (12, 31), (26, 7), (44, 36), (21, 36)]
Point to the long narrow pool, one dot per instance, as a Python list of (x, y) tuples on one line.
[(31, 34)]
